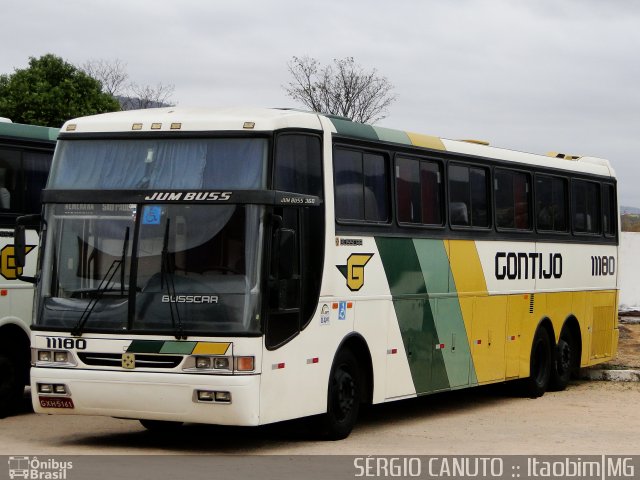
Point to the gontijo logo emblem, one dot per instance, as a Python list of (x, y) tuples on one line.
[(8, 268), (353, 271)]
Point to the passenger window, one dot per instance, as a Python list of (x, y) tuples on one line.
[(10, 194), (512, 199), (419, 191), (585, 202), (361, 181), (551, 203), (609, 217), (468, 196)]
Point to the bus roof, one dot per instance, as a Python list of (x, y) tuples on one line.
[(28, 132), (270, 119)]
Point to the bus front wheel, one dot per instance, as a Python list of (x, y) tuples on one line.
[(343, 399), (11, 384)]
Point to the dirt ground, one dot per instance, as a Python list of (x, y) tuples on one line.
[(629, 344)]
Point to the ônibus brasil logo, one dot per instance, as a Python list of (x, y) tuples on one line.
[(34, 468)]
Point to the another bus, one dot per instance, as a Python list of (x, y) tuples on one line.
[(25, 158), (243, 267)]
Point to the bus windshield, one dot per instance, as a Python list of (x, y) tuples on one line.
[(212, 163), (171, 268)]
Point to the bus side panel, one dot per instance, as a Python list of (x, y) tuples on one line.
[(488, 337), (450, 326), (376, 323), (415, 313), (17, 301), (517, 317), (295, 376), (604, 333)]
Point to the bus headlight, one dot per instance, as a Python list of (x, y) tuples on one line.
[(203, 362), (221, 363), (44, 356), (218, 364), (61, 357), (52, 389), (209, 396), (52, 358)]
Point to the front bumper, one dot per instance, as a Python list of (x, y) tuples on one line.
[(153, 396)]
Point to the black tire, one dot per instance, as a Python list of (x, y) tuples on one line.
[(343, 398), (541, 366), (565, 357), (11, 384), (161, 426)]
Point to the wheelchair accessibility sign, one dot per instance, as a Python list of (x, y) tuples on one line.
[(342, 310)]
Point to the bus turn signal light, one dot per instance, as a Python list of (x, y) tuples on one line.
[(245, 364)]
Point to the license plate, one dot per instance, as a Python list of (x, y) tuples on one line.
[(55, 402)]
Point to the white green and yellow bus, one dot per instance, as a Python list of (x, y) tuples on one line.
[(25, 158), (247, 266)]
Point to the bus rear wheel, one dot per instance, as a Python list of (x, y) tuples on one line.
[(343, 399), (564, 361), (541, 366)]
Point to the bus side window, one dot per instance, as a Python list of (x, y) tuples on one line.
[(36, 168), (585, 205), (551, 203), (468, 196), (609, 216), (361, 184), (9, 181)]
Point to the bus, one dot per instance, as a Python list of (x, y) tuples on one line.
[(25, 157), (249, 266)]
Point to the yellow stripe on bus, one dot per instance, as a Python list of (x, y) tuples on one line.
[(211, 348), (426, 141)]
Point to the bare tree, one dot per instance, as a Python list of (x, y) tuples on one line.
[(343, 88), (147, 96), (112, 74)]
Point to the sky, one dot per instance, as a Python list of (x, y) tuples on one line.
[(529, 75)]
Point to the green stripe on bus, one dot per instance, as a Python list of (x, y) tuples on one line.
[(436, 270), (353, 129), (395, 136), (178, 347), (414, 312), (145, 346)]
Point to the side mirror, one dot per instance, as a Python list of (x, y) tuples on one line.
[(20, 243), (19, 246)]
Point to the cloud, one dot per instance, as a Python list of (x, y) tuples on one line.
[(535, 76)]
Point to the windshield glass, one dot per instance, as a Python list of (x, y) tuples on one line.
[(229, 163), (165, 268)]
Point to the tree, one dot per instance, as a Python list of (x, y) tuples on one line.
[(113, 76), (343, 88), (51, 91), (147, 96)]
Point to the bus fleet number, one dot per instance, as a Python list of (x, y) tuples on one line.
[(66, 343), (602, 265)]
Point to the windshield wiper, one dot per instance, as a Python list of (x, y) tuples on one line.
[(103, 287), (165, 275)]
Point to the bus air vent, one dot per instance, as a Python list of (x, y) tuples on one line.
[(142, 361), (564, 156), (477, 142)]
